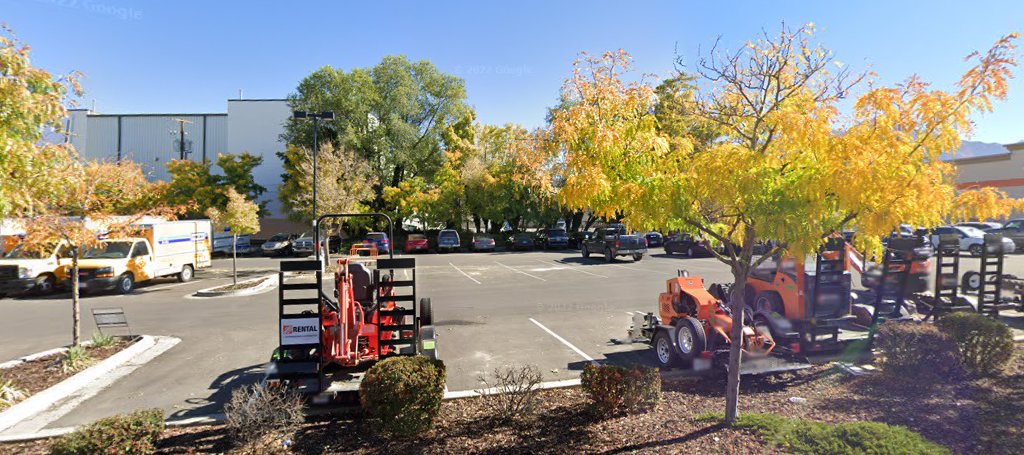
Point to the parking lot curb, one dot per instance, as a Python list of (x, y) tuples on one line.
[(476, 393), (50, 404), (209, 419), (269, 282)]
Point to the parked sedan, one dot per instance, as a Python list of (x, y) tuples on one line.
[(654, 239), (552, 239), (222, 244), (416, 243), (279, 245), (971, 240), (689, 245), (519, 242), (482, 242)]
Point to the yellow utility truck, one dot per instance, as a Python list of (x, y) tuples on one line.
[(170, 248)]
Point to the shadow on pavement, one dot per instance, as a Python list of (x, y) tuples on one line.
[(222, 387)]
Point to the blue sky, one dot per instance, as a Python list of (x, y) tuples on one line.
[(190, 56)]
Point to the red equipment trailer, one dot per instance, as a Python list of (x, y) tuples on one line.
[(326, 342)]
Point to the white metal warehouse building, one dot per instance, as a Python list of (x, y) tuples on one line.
[(249, 125)]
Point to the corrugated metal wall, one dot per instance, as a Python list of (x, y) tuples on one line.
[(152, 140)]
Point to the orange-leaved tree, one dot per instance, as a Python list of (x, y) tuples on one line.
[(241, 216), (759, 151), (99, 200)]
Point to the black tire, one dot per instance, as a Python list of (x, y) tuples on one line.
[(45, 284), (665, 351), (971, 281), (668, 251), (769, 302), (975, 250), (608, 256), (690, 339), (637, 257), (125, 284), (426, 313), (585, 251), (186, 274)]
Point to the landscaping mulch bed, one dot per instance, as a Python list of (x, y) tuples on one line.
[(249, 284), (984, 416), (40, 374)]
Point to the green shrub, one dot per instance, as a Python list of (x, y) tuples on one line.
[(128, 434), (100, 340), (916, 349), (256, 416), (75, 359), (812, 438), (614, 389), (985, 345), (404, 393)]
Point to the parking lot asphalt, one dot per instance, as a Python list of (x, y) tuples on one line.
[(554, 310)]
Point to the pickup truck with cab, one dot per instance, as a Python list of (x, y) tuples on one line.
[(613, 241)]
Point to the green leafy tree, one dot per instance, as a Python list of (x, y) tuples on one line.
[(241, 217), (392, 115), (194, 184)]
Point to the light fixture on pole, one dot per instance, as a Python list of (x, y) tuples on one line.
[(325, 115)]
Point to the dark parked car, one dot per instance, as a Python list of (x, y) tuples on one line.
[(519, 242), (614, 241), (483, 242), (654, 239), (689, 245), (552, 239), (1014, 230), (576, 239)]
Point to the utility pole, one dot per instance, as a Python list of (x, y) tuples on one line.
[(182, 154)]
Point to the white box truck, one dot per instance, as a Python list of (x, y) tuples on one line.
[(171, 248)]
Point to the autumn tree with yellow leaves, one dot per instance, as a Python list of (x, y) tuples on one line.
[(754, 145), (241, 217)]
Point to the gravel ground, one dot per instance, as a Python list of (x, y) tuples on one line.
[(970, 417)]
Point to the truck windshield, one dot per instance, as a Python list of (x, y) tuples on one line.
[(20, 252), (109, 250)]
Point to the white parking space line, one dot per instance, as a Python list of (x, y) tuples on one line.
[(570, 345), (520, 271), (570, 267), (636, 269), (463, 273), (160, 288)]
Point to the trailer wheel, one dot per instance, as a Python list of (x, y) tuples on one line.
[(664, 351), (426, 314), (690, 338), (186, 274), (584, 251), (971, 281)]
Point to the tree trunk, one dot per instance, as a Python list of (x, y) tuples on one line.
[(740, 270), (76, 313), (234, 258)]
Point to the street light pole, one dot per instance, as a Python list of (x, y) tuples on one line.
[(315, 116)]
